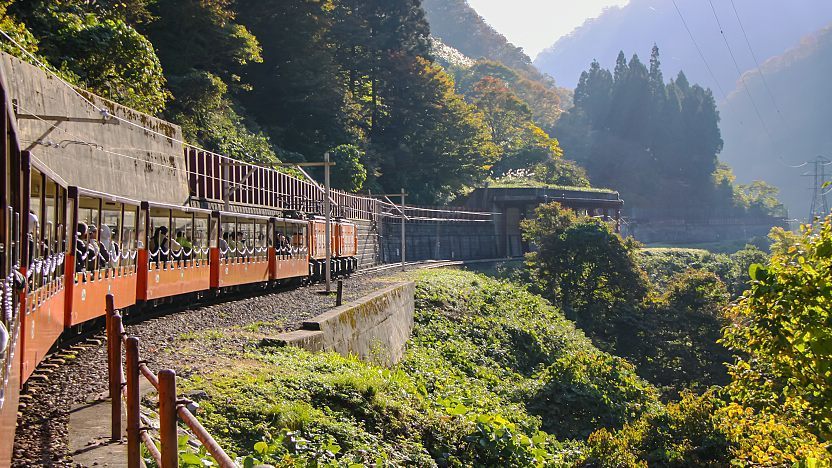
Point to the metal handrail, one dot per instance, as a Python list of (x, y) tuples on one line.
[(126, 387)]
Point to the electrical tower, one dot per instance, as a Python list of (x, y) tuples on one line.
[(819, 207)]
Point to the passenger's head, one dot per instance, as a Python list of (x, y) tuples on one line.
[(225, 236), (82, 230), (106, 233), (180, 233)]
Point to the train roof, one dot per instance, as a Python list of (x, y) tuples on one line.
[(105, 196)]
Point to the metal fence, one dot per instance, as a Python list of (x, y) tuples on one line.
[(220, 179)]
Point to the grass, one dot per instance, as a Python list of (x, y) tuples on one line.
[(493, 376), (528, 183)]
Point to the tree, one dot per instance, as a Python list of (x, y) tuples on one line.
[(105, 55), (349, 173), (433, 142), (782, 331), (298, 94), (584, 266)]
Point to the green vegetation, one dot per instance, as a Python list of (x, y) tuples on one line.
[(771, 405), (493, 376), (496, 376), (661, 264), (783, 329)]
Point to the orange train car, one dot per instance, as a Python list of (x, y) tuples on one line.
[(245, 253), (343, 240), (175, 250), (291, 248), (80, 245), (43, 306)]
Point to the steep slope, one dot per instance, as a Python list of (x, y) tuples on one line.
[(455, 23), (772, 27), (800, 132)]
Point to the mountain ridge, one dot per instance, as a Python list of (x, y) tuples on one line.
[(641, 23)]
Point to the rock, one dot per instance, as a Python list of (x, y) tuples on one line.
[(196, 395)]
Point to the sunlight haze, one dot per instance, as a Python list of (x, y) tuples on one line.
[(536, 24)]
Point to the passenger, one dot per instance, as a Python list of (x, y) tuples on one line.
[(187, 245), (241, 245), (92, 248), (108, 250), (282, 245), (224, 245), (81, 247), (160, 245), (33, 235)]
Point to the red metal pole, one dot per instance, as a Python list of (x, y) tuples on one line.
[(167, 418), (133, 415), (114, 367)]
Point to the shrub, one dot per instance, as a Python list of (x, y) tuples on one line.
[(584, 266), (706, 431), (783, 330)]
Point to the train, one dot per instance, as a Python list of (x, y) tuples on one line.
[(65, 248)]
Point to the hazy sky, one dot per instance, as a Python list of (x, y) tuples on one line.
[(537, 24)]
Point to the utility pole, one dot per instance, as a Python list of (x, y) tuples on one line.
[(328, 222), (327, 210), (819, 206)]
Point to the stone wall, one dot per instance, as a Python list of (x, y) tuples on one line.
[(68, 135), (374, 328)]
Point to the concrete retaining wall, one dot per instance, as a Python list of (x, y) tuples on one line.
[(683, 232), (374, 328), (447, 240), (70, 136)]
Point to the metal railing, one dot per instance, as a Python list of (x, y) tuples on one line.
[(171, 408), (216, 178)]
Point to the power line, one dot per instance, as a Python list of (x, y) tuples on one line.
[(756, 62), (698, 49), (739, 71), (783, 162)]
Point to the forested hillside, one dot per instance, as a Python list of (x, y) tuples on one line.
[(459, 25), (796, 129), (657, 142), (289, 80), (772, 26)]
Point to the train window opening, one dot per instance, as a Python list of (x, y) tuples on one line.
[(261, 238), (109, 237), (159, 245), (228, 241), (129, 235), (34, 235), (86, 255), (201, 238)]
